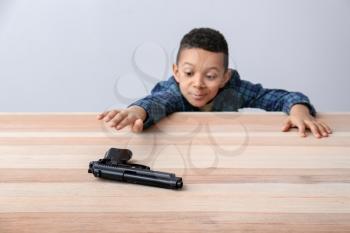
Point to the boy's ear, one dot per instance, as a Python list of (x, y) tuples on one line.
[(176, 72), (227, 77)]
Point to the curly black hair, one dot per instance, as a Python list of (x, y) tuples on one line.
[(207, 39)]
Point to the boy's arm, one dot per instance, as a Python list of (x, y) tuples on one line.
[(133, 116), (255, 96), (165, 98), (159, 105), (295, 104)]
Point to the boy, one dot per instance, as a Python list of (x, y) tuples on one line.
[(202, 81)]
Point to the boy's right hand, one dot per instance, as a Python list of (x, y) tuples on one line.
[(133, 116)]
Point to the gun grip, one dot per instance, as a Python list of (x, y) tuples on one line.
[(117, 155)]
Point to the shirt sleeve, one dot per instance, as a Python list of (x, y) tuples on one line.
[(160, 103), (255, 96)]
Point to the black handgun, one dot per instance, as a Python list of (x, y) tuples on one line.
[(115, 166)]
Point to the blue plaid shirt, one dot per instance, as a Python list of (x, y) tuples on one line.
[(166, 98)]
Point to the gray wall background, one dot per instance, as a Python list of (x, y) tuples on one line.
[(90, 55)]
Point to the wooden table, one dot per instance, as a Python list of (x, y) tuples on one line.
[(241, 174)]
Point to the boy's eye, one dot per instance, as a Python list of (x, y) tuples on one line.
[(211, 77), (188, 74)]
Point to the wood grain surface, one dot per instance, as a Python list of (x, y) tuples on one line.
[(240, 172)]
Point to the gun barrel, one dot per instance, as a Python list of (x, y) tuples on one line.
[(136, 175)]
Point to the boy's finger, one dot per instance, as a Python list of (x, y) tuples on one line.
[(328, 129), (111, 115), (301, 128), (314, 129), (117, 119), (322, 130), (287, 125), (101, 115), (123, 123), (137, 126)]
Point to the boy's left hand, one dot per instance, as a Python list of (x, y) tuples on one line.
[(301, 118)]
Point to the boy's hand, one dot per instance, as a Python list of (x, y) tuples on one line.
[(133, 116), (300, 117)]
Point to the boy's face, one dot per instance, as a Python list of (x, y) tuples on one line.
[(200, 75)]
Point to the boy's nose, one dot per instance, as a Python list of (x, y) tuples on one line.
[(198, 82)]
